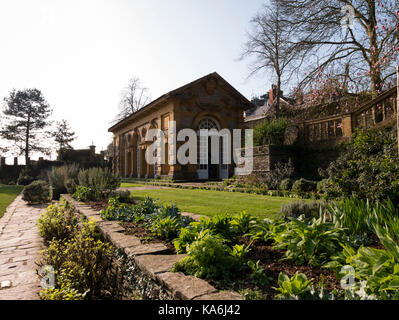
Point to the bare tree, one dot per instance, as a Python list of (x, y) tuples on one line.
[(368, 47), (134, 97), (268, 42)]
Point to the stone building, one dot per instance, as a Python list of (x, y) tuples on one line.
[(207, 103)]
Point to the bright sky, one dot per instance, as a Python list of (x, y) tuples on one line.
[(81, 54)]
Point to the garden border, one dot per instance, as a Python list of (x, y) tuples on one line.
[(145, 269)]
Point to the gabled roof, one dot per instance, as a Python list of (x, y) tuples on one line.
[(246, 103)]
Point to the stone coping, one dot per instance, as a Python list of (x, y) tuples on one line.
[(154, 261)]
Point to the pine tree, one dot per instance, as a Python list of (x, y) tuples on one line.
[(26, 114), (63, 136)]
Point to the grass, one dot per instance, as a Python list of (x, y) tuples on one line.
[(7, 195), (131, 185), (210, 203)]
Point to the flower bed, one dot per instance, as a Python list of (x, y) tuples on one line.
[(295, 257)]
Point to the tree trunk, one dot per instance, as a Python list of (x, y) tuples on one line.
[(27, 140), (278, 89)]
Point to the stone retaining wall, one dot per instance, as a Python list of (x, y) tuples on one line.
[(144, 270)]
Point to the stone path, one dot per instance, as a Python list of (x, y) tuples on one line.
[(20, 243)]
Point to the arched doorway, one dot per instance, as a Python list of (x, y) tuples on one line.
[(205, 169)]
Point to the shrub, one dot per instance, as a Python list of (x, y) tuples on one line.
[(63, 179), (303, 185), (280, 172), (368, 167), (270, 132), (26, 176), (124, 196), (101, 182), (56, 177), (80, 263), (323, 186), (58, 221), (308, 209), (286, 184), (70, 186), (37, 192), (207, 258)]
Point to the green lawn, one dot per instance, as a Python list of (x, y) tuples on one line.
[(131, 185), (210, 203), (7, 195)]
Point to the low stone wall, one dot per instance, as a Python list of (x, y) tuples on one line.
[(144, 270)]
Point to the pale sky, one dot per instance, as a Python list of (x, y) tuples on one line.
[(81, 54)]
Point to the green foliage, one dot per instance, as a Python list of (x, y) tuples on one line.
[(80, 264), (167, 228), (250, 294), (270, 132), (61, 177), (84, 194), (294, 288), (368, 168), (267, 229), (362, 218), (258, 276), (26, 176), (323, 185), (303, 185), (311, 242), (376, 271), (26, 115), (243, 222), (37, 192), (286, 184), (124, 196), (58, 221), (100, 181), (70, 186), (308, 209), (207, 258), (186, 237)]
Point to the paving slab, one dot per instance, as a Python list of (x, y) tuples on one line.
[(20, 244)]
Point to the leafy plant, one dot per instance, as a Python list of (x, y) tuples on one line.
[(258, 276), (101, 182), (207, 258), (167, 228), (84, 194), (294, 288), (314, 242), (243, 222), (310, 209)]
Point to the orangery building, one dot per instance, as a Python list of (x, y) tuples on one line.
[(207, 103)]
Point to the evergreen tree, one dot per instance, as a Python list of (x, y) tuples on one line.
[(63, 136), (26, 114)]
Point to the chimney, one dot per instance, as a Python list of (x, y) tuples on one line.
[(92, 150), (2, 162), (273, 93), (15, 161)]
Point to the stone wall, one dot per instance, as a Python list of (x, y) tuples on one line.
[(306, 160), (144, 270)]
